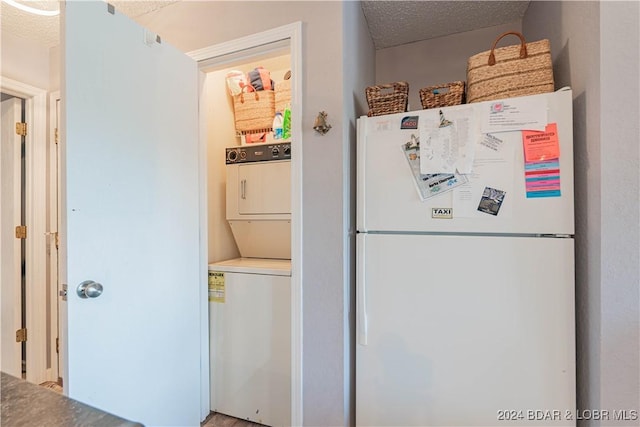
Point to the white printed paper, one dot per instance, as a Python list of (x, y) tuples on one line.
[(449, 140), (492, 142), (428, 185), (527, 113), (494, 169)]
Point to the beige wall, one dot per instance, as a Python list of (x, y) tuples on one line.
[(440, 60), (55, 69), (620, 250), (25, 61), (591, 44)]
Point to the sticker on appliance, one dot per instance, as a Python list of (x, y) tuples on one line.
[(216, 286), (409, 122), (441, 213), (491, 201)]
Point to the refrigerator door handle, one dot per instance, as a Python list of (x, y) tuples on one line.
[(361, 309)]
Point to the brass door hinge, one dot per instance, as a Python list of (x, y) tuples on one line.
[(21, 129), (57, 345), (56, 136), (21, 232), (21, 335)]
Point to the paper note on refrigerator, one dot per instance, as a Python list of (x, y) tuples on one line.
[(428, 185), (525, 113), (494, 169), (541, 146), (542, 179), (448, 141)]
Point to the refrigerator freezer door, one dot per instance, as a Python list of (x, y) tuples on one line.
[(465, 331), (388, 199)]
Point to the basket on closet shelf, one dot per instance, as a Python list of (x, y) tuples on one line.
[(283, 94), (442, 95), (254, 110), (387, 98)]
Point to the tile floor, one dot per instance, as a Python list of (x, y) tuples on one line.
[(221, 420), (213, 420)]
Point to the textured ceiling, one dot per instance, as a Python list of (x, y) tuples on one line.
[(45, 30), (393, 23)]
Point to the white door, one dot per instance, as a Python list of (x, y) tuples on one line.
[(132, 220), (464, 330), (10, 254)]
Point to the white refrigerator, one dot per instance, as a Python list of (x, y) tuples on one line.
[(465, 297)]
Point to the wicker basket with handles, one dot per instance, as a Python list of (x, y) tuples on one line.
[(283, 95), (254, 110), (510, 71), (442, 95), (387, 98)]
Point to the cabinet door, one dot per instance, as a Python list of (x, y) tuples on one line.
[(264, 188)]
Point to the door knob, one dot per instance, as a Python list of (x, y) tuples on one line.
[(89, 289)]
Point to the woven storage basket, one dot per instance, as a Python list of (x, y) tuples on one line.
[(510, 71), (254, 110), (283, 95), (442, 95), (387, 98)]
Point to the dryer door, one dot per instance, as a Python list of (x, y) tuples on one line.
[(264, 188)]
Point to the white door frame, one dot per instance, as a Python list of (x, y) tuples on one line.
[(36, 196), (293, 33), (54, 229)]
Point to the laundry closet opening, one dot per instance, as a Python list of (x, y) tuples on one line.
[(249, 237)]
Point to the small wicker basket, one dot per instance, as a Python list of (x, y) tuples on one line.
[(442, 95), (387, 98)]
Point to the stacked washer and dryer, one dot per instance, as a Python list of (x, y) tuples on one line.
[(250, 296)]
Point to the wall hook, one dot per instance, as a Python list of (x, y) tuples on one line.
[(320, 125)]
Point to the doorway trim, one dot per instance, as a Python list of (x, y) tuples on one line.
[(36, 196), (293, 33), (54, 215)]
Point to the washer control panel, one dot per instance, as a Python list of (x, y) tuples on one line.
[(258, 153)]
